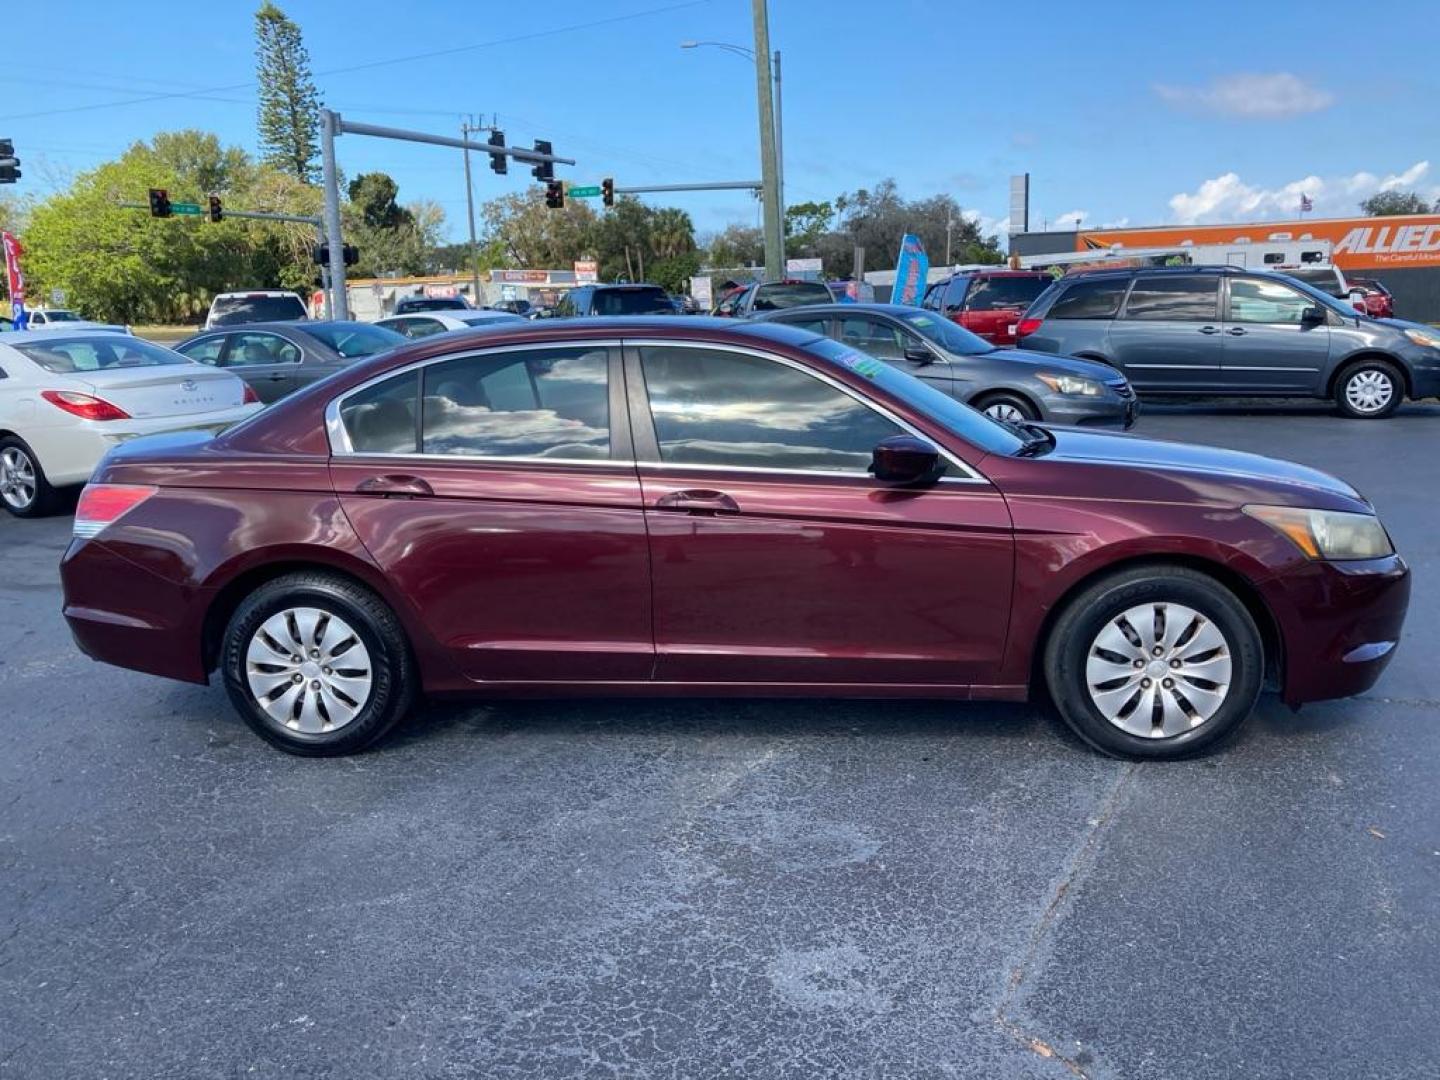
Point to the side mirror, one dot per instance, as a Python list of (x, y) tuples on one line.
[(1313, 314), (907, 461), (917, 353)]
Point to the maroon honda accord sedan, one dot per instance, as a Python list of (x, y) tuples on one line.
[(705, 507)]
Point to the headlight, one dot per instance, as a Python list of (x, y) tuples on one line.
[(1072, 384), (1424, 337), (1327, 534)]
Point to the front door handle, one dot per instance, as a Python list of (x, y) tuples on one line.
[(394, 486), (1209, 330), (698, 501), (1237, 331)]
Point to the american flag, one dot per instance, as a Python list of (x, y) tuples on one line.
[(1306, 203)]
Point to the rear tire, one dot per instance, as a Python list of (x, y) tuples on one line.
[(1154, 662), (24, 490), (1369, 390), (318, 665), (1007, 407)]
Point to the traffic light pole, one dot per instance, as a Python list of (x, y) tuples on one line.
[(769, 167), (720, 185)]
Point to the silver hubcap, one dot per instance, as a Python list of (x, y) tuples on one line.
[(1158, 670), (17, 478), (309, 670), (1004, 411), (1369, 391)]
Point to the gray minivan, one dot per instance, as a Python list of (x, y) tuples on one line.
[(1225, 330)]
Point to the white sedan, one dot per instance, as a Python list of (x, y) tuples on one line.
[(67, 399), (424, 323)]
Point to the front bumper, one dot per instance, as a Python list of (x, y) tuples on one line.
[(1341, 623), (1425, 373), (1078, 411)]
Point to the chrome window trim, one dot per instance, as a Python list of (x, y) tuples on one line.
[(971, 475)]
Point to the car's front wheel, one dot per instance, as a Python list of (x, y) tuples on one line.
[(1154, 662), (317, 664), (24, 491), (1008, 408), (1369, 390)]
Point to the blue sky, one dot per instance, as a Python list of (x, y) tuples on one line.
[(1124, 112)]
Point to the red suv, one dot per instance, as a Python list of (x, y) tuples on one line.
[(987, 302)]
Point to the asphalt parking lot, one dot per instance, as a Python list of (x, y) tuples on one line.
[(718, 889)]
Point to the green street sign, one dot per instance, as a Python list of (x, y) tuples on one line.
[(185, 208), (592, 192)]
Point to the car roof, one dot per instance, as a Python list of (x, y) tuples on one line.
[(680, 327), (870, 308), (258, 292), (302, 326), (21, 337)]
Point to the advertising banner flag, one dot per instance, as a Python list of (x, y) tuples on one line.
[(14, 278), (910, 271)]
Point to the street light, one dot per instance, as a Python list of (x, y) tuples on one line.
[(779, 149)]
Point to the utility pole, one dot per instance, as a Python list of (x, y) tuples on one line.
[(779, 146), (329, 123), (465, 130), (949, 225), (769, 171)]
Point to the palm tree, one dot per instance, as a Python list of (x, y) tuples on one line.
[(672, 233)]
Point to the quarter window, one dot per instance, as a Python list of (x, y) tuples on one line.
[(1175, 298), (722, 408), (1253, 301), (528, 403), (1090, 300)]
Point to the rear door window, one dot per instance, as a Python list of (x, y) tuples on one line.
[(257, 350), (1090, 300), (1175, 298)]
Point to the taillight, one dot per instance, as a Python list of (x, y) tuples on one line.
[(104, 504), (251, 398), (1027, 326), (84, 406)]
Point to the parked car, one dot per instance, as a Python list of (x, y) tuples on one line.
[(1226, 330), (1006, 384), (613, 300), (659, 506), (987, 302), (66, 400), (408, 305), (1379, 301), (439, 322), (514, 307), (773, 296), (66, 320), (1327, 278), (257, 305), (276, 359)]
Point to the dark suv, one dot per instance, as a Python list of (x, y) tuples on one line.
[(1226, 330), (987, 302), (614, 300)]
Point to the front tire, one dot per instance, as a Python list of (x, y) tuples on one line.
[(24, 490), (1154, 662), (1369, 390), (317, 665), (1007, 408)]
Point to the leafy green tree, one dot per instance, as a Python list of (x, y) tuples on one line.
[(736, 246), (1390, 203), (531, 235), (373, 195), (805, 224), (289, 104), (877, 218)]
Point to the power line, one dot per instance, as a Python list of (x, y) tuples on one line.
[(368, 65)]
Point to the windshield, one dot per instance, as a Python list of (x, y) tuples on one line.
[(631, 302), (972, 426), (791, 294), (247, 309), (989, 293), (947, 335), (69, 356), (489, 318), (433, 304), (356, 339), (1321, 277)]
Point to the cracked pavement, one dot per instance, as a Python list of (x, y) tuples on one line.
[(726, 889)]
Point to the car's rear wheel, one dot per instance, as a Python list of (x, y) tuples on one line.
[(1369, 390), (1154, 662), (24, 491), (1008, 408), (317, 665)]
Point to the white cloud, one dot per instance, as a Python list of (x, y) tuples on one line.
[(989, 226), (1228, 198), (1071, 219), (1250, 96)]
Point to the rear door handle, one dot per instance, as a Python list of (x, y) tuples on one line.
[(1208, 330), (1237, 331), (698, 501), (394, 486)]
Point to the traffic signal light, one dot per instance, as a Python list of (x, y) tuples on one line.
[(555, 194), (497, 161), (9, 163), (607, 191), (543, 170), (216, 210), (350, 254), (159, 202)]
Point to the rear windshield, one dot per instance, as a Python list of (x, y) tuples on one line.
[(61, 316), (791, 294), (66, 356), (434, 303), (631, 302), (248, 309), (356, 339), (1323, 278), (989, 293)]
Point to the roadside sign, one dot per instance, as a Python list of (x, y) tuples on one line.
[(590, 192), (57, 297), (186, 208), (587, 271)]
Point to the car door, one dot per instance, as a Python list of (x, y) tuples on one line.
[(1270, 345), (1168, 336), (510, 514), (885, 339), (268, 362), (777, 559)]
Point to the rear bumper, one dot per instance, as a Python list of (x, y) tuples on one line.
[(1341, 623)]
